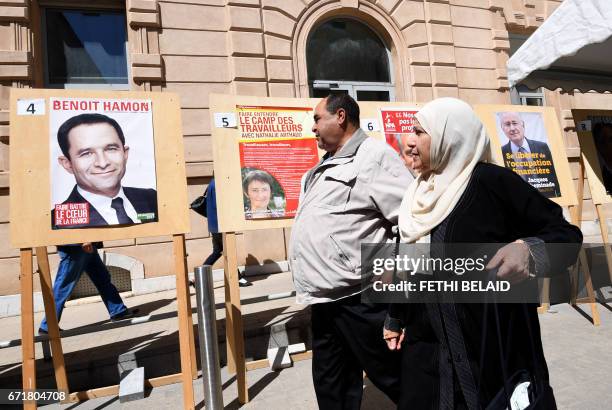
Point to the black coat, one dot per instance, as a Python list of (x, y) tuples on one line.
[(497, 207)]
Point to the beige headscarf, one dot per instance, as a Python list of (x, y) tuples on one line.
[(458, 142)]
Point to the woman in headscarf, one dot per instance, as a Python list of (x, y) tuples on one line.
[(459, 197)]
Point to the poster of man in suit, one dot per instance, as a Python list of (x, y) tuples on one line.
[(525, 150), (102, 160)]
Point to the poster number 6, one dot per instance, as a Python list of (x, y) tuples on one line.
[(225, 119), (370, 124)]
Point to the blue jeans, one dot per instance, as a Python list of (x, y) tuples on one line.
[(217, 243), (73, 261)]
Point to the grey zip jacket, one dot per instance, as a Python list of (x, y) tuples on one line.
[(347, 199)]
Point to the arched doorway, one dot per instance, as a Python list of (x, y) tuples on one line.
[(344, 55)]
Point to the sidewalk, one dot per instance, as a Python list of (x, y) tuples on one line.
[(92, 344), (578, 354), (287, 389)]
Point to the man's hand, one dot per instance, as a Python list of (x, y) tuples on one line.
[(512, 262), (88, 247), (394, 339)]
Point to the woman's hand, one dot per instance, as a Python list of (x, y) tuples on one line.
[(394, 339), (512, 262)]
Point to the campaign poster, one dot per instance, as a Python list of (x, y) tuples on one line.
[(601, 128), (277, 147), (398, 128), (102, 162), (525, 150)]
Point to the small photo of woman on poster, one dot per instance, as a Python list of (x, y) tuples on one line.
[(264, 197)]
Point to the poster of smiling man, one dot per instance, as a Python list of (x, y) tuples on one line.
[(102, 160), (525, 150)]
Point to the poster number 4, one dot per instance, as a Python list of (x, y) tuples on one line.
[(225, 120), (31, 107)]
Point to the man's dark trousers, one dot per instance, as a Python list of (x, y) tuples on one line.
[(347, 339)]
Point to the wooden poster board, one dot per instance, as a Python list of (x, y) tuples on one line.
[(227, 158), (487, 114), (589, 155), (591, 164), (30, 222), (554, 139), (30, 180)]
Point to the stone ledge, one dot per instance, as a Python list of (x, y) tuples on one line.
[(501, 74), (15, 71), (146, 60), (503, 85), (146, 73), (501, 45), (8, 13), (142, 5), (138, 19), (499, 34), (437, 13), (495, 5), (14, 57)]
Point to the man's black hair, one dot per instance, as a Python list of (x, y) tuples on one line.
[(88, 119), (347, 103)]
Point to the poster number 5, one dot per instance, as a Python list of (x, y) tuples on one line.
[(225, 120), (31, 107)]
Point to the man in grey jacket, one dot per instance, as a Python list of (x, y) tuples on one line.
[(351, 196)]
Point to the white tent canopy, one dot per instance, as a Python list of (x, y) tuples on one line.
[(573, 45)]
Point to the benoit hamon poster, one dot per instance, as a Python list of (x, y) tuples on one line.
[(277, 147), (102, 160), (525, 150)]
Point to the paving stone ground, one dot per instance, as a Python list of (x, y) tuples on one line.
[(579, 355)]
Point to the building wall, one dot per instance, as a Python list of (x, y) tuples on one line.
[(439, 48)]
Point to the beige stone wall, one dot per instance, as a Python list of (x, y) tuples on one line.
[(257, 47)]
